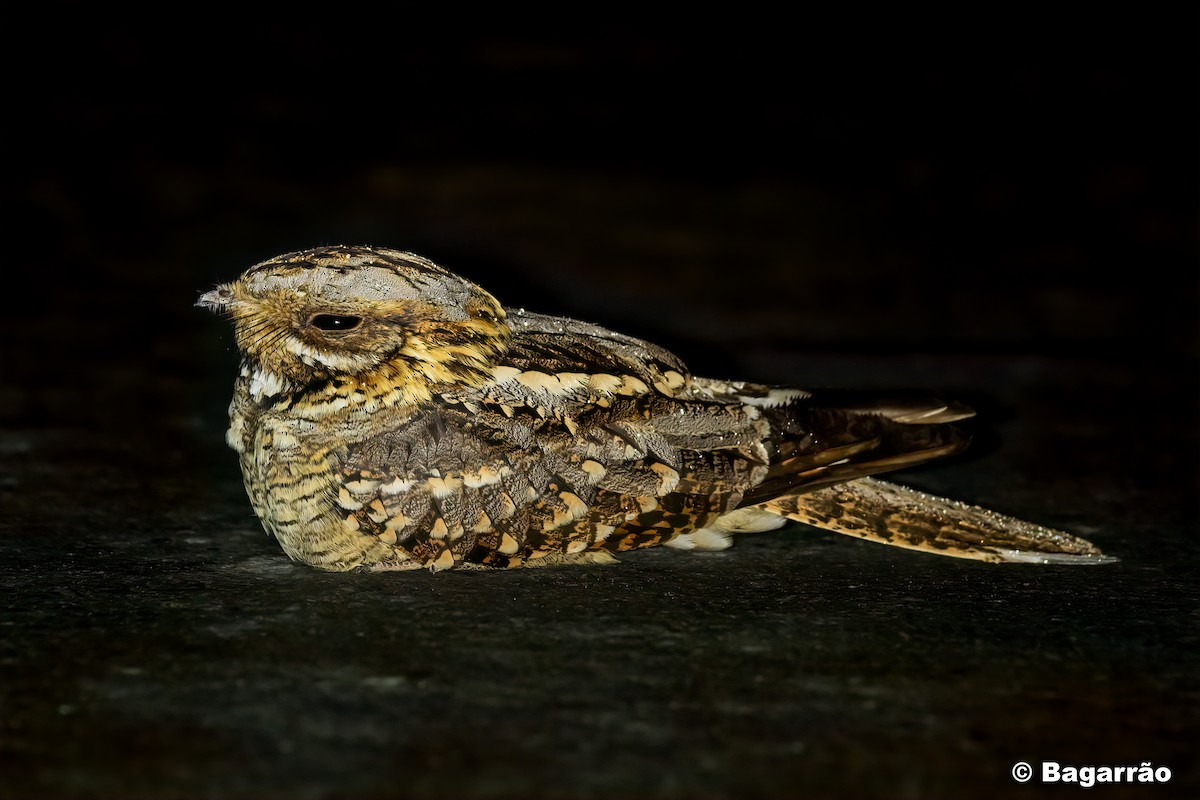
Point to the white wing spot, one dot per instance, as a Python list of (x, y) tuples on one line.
[(505, 374), (444, 561), (444, 487), (346, 501), (486, 476), (397, 522), (604, 384), (397, 486), (363, 486), (632, 385), (668, 478), (594, 469), (572, 381), (602, 532), (377, 513), (540, 381)]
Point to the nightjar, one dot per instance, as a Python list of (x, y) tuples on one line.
[(390, 415)]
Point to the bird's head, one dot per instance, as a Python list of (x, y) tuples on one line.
[(335, 312)]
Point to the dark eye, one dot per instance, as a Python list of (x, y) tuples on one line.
[(334, 322)]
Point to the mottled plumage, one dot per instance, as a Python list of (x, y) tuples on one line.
[(392, 415)]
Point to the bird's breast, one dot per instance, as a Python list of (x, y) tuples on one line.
[(289, 469)]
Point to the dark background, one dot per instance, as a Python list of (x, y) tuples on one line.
[(1001, 207)]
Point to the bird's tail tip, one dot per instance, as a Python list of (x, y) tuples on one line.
[(1035, 557), (896, 515)]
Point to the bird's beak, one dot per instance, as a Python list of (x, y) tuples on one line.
[(217, 300)]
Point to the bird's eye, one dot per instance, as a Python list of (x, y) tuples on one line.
[(334, 322)]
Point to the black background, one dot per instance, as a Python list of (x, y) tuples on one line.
[(918, 182), (1000, 203)]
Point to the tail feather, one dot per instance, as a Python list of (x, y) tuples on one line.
[(792, 477), (884, 512), (832, 437), (911, 408)]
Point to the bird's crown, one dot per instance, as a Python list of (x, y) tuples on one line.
[(337, 311)]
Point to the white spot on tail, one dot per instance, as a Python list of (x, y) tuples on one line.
[(774, 397)]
